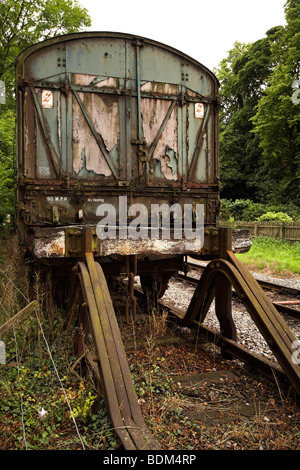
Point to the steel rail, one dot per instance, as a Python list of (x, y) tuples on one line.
[(268, 368), (263, 283), (282, 308), (276, 332), (111, 366), (116, 381)]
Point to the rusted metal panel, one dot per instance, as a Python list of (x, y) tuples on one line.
[(49, 243), (160, 126), (92, 68), (68, 242), (104, 114), (87, 154)]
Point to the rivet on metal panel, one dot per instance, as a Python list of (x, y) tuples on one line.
[(55, 214), (75, 251)]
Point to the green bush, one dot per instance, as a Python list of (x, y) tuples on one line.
[(241, 209), (247, 210), (276, 216)]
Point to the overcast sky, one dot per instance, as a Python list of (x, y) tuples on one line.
[(204, 29)]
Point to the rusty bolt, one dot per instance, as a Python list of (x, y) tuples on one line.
[(74, 251), (75, 233)]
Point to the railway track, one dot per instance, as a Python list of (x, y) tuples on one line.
[(284, 308), (229, 347), (97, 310), (263, 283)]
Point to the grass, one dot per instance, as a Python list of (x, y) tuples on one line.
[(273, 256), (175, 412), (29, 382)]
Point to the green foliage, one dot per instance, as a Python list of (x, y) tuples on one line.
[(7, 163), (29, 21), (35, 380), (276, 216), (243, 76), (29, 372), (275, 256), (277, 120), (22, 24), (247, 210), (260, 124)]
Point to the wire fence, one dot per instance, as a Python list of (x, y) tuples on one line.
[(53, 364)]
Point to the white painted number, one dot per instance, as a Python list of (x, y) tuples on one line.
[(2, 353), (296, 94)]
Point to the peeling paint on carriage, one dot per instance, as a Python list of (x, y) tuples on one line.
[(87, 154), (121, 122), (148, 247), (164, 148), (51, 245)]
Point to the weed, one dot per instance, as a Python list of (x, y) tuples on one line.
[(33, 409), (272, 255), (45, 417)]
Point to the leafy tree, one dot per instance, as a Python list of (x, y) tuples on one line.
[(22, 24), (7, 173), (28, 21), (277, 121), (243, 76)]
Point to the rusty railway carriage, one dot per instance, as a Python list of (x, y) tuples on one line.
[(102, 116)]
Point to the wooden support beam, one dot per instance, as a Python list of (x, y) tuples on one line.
[(17, 318), (259, 363), (223, 292)]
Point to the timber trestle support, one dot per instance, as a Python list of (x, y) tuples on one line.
[(217, 280), (111, 363)]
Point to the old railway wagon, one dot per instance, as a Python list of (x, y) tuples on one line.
[(102, 115), (109, 117)]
